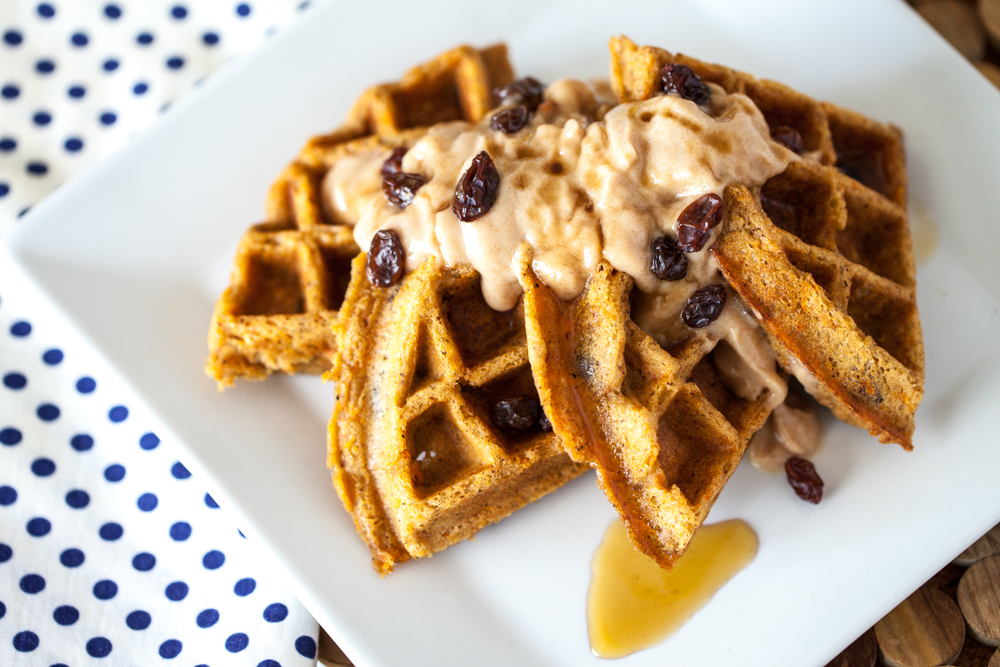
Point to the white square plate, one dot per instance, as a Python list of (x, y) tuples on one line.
[(134, 253)]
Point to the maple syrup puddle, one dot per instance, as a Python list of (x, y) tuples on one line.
[(633, 603)]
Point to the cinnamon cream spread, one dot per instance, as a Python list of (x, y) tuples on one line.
[(584, 180)]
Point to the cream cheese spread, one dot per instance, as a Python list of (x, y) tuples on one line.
[(584, 180)]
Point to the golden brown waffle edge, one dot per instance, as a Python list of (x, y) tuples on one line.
[(290, 273)]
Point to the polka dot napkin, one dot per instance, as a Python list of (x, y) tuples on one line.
[(110, 551), (108, 546), (79, 77)]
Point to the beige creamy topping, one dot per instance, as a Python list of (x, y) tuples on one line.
[(793, 429), (575, 189), (584, 181)]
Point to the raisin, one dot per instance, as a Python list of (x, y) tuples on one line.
[(527, 91), (669, 263), (682, 80), (510, 120), (804, 479), (477, 189), (704, 306), (401, 187), (385, 259), (395, 162), (544, 423), (788, 137), (696, 220), (517, 413)]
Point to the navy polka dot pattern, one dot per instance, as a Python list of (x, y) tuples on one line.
[(26, 641), (306, 646), (111, 531), (12, 436), (77, 499), (180, 531), (149, 441), (147, 502), (32, 583), (245, 587), (72, 558), (237, 642), (99, 647), (213, 560), (275, 613), (135, 57), (81, 442), (207, 618), (105, 589), (144, 562), (66, 615), (43, 467), (138, 620), (176, 591), (39, 527), (88, 485)]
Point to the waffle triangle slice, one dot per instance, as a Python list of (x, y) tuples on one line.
[(848, 330), (415, 454), (290, 273), (842, 219), (660, 426)]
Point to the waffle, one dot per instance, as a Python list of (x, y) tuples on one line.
[(843, 221), (291, 272), (844, 322), (414, 452), (661, 428), (820, 256)]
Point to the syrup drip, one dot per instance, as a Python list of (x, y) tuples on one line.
[(925, 233), (633, 603)]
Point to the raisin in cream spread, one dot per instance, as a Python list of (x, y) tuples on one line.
[(582, 180)]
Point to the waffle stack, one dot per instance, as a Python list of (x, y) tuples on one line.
[(820, 256), (291, 272), (823, 257)]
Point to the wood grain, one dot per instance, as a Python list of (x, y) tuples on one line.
[(979, 599), (989, 14), (988, 544), (958, 23), (925, 630), (862, 653)]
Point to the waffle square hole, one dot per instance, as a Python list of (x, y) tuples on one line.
[(479, 331), (877, 237), (804, 201), (429, 365), (783, 106), (868, 152), (516, 385), (273, 285), (693, 451), (435, 101), (440, 454), (338, 274), (890, 319)]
